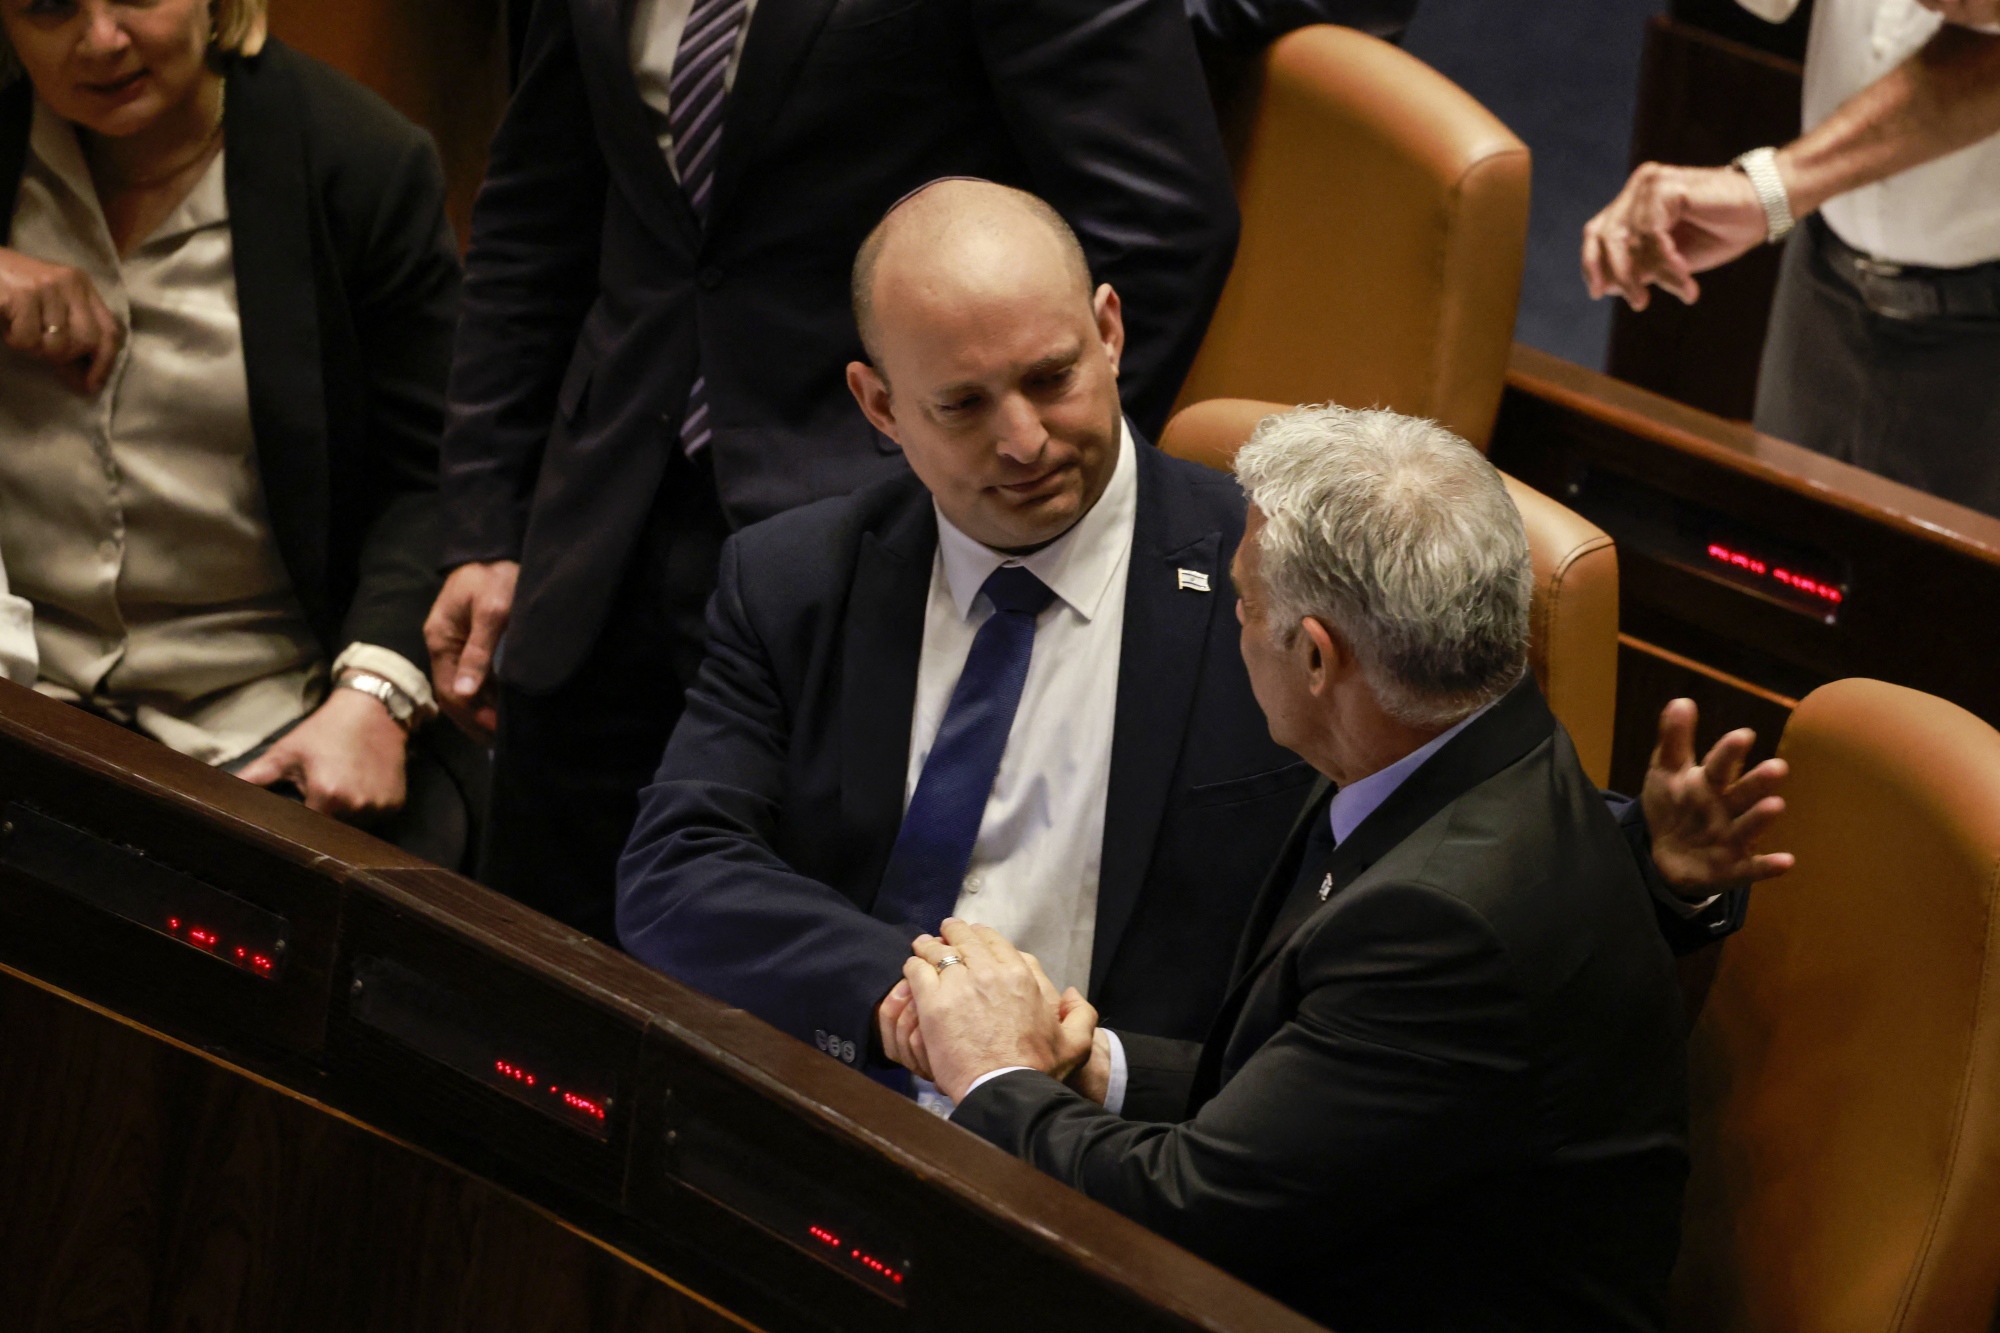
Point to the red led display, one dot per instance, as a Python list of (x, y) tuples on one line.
[(580, 1105), (887, 1272), (250, 957), (1825, 593)]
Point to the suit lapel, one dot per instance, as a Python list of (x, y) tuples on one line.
[(1160, 655), (883, 644), (780, 33), (272, 232), (1513, 727), (603, 39), (17, 115)]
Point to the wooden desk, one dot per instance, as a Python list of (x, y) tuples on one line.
[(1916, 578), (261, 1070)]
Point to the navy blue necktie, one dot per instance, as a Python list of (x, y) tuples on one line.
[(934, 845)]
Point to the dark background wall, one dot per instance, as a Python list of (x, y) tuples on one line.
[(1563, 74)]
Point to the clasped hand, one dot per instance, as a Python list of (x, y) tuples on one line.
[(993, 1009)]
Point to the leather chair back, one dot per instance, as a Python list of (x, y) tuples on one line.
[(1846, 1068), (1573, 635), (1385, 218)]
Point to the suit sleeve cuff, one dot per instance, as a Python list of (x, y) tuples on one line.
[(988, 1077), (391, 666)]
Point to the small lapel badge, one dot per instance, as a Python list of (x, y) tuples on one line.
[(1326, 886), (1191, 580)]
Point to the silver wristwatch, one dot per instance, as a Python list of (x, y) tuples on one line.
[(1761, 166), (401, 706)]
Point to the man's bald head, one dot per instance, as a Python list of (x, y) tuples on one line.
[(994, 362), (962, 236)]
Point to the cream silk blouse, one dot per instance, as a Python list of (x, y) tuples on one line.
[(134, 521)]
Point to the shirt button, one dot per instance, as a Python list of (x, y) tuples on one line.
[(972, 883), (709, 278)]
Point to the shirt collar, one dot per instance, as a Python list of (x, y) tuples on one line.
[(54, 142), (1077, 566), (1364, 796)]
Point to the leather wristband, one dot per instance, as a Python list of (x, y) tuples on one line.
[(1761, 166)]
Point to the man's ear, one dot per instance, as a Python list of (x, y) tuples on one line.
[(1328, 655), (871, 391), (1110, 323)]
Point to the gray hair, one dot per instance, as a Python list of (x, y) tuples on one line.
[(1403, 537)]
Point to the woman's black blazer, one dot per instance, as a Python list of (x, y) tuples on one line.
[(347, 279)]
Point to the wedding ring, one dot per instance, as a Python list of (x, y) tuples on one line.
[(52, 330), (947, 961)]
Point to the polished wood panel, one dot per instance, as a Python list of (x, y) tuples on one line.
[(442, 63), (1921, 575), (719, 1139), (150, 1187), (1703, 99)]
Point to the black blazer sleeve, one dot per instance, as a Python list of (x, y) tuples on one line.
[(1107, 104), (402, 290), (702, 893), (1247, 25), (1159, 1076), (531, 274), (1388, 1080)]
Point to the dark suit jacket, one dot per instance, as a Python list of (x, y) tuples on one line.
[(593, 294), (347, 284), (1251, 25), (1450, 1096), (760, 846)]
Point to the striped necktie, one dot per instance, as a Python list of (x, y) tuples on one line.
[(695, 96)]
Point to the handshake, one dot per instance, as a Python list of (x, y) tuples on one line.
[(972, 1004)]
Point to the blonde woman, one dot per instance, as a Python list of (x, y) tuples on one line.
[(227, 290)]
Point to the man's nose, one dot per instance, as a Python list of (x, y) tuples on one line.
[(1021, 436)]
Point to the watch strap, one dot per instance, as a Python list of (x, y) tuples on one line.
[(1761, 166), (402, 708)]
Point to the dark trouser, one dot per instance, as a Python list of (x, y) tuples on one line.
[(444, 780), (568, 764), (1914, 398)]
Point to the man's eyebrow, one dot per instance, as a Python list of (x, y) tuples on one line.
[(1055, 361)]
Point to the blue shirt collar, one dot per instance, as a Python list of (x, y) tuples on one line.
[(1364, 796)]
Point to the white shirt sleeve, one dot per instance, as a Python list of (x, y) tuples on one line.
[(391, 666), (1771, 11), (1114, 1094), (988, 1077), (1114, 1089), (20, 662)]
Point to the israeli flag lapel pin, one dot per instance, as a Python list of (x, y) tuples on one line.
[(1190, 580)]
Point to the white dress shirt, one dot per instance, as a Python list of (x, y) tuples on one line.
[(1351, 804), (134, 520), (18, 659), (1034, 868), (653, 43), (1943, 214)]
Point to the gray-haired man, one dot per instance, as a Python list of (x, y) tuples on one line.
[(1446, 1089)]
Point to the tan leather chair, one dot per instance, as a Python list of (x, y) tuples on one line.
[(1846, 1069), (1573, 635), (1385, 216)]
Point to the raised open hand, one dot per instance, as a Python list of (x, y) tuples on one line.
[(1706, 817)]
